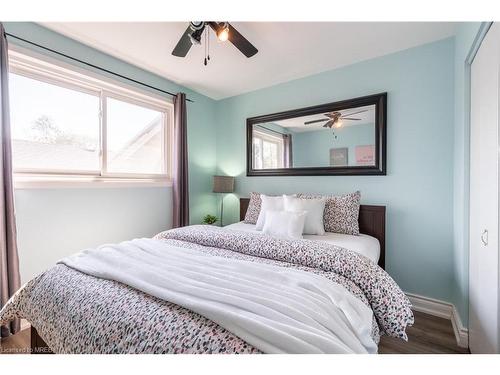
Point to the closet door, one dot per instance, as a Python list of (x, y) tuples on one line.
[(484, 158)]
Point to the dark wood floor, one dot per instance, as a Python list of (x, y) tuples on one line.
[(429, 335), (16, 344)]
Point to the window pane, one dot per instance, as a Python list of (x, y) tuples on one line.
[(270, 155), (53, 128), (134, 138), (257, 153)]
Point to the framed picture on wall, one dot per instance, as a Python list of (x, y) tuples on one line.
[(365, 155), (339, 157)]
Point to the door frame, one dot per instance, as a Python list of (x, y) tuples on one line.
[(476, 44)]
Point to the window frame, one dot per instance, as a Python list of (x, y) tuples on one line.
[(48, 70), (270, 138)]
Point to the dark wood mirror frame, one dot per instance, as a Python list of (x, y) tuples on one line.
[(380, 102)]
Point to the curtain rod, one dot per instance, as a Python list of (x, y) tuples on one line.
[(91, 65)]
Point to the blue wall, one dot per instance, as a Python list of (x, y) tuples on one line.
[(53, 223), (312, 149), (419, 183), (425, 190)]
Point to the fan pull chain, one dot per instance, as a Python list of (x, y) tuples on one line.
[(208, 44), (205, 62)]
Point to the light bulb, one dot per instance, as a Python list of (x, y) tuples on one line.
[(223, 34), (338, 124)]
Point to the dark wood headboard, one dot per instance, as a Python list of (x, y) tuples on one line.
[(371, 222)]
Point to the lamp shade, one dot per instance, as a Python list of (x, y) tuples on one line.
[(223, 184)]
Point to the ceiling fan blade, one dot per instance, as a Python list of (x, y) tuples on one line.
[(238, 40), (184, 44), (329, 124), (241, 42), (314, 121), (350, 114), (350, 118)]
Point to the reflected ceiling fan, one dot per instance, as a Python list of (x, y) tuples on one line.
[(335, 119), (224, 32)]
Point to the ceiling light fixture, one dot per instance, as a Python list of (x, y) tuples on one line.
[(193, 35), (223, 33)]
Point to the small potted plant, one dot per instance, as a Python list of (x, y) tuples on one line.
[(210, 219)]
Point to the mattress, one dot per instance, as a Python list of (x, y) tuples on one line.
[(363, 244)]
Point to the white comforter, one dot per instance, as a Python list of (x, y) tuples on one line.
[(275, 309)]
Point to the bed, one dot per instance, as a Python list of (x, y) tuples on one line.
[(370, 242), (106, 310)]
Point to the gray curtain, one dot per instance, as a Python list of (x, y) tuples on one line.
[(287, 154), (10, 280), (180, 169)]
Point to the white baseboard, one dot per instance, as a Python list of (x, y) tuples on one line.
[(442, 309), (461, 333)]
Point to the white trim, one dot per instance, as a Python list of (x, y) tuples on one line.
[(24, 55), (461, 333), (444, 310), (268, 136), (65, 182), (430, 306), (44, 69), (264, 136)]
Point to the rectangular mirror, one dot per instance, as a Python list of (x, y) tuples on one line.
[(341, 138)]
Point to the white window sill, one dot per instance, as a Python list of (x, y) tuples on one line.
[(79, 182)]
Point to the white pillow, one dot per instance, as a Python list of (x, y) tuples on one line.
[(269, 203), (314, 209), (284, 223)]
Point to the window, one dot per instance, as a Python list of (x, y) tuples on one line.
[(267, 150), (134, 138), (53, 128), (67, 124)]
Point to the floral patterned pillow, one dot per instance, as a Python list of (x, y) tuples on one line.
[(253, 209), (341, 212)]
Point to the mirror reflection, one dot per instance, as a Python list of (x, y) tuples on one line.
[(341, 138)]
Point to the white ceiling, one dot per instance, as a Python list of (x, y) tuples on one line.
[(287, 50)]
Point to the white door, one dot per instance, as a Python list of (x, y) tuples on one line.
[(483, 259)]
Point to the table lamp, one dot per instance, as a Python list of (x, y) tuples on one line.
[(223, 185)]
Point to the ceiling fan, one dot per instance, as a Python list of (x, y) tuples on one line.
[(335, 119), (223, 30)]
